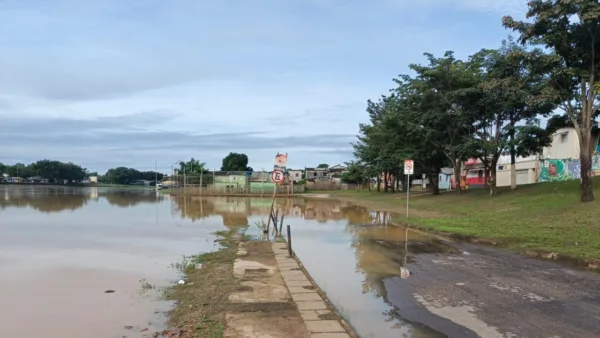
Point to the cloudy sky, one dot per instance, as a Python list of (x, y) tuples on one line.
[(109, 83)]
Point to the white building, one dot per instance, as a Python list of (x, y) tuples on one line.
[(565, 145), (295, 175), (526, 170)]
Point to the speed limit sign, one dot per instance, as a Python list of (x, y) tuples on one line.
[(277, 176)]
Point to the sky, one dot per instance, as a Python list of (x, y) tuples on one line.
[(133, 83)]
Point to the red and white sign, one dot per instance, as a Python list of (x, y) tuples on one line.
[(409, 167), (277, 176), (281, 160)]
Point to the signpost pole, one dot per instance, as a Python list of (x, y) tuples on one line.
[(407, 192)]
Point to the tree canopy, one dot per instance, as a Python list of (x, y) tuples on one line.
[(570, 30), (235, 162), (451, 110), (52, 170), (124, 175)]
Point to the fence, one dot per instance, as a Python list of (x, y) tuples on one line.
[(313, 186)]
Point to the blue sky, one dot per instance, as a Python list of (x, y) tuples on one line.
[(109, 83)]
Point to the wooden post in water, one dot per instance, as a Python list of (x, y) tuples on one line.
[(280, 224), (289, 241)]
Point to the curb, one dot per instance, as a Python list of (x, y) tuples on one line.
[(318, 313)]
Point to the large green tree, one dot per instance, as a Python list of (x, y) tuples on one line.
[(441, 99), (570, 29), (192, 167), (235, 162)]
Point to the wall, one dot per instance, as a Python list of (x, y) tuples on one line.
[(232, 179), (444, 181), (552, 170), (295, 175), (563, 147), (503, 171)]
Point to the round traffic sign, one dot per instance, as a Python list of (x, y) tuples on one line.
[(277, 176)]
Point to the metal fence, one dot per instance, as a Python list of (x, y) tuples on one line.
[(228, 184)]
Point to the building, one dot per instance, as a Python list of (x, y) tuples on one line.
[(93, 179), (37, 179), (560, 160), (295, 175), (526, 170), (445, 178), (232, 178), (317, 174)]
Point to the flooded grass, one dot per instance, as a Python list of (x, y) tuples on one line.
[(545, 217), (202, 300)]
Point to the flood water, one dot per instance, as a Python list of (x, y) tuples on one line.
[(62, 248)]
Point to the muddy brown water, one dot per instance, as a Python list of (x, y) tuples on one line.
[(62, 248)]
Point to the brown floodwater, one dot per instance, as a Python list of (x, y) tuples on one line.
[(350, 252), (62, 248)]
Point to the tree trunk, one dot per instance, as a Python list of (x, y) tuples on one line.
[(492, 175), (585, 156), (385, 182), (378, 182), (457, 178), (513, 157), (433, 180)]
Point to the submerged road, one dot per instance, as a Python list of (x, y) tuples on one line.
[(472, 291)]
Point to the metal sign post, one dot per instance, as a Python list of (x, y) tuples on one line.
[(408, 170)]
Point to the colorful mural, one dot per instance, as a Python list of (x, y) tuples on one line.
[(563, 170)]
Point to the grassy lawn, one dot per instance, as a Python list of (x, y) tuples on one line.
[(537, 217)]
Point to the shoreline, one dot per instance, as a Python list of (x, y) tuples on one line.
[(592, 264), (249, 287)]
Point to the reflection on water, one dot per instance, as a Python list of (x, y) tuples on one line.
[(63, 247), (349, 251), (70, 198)]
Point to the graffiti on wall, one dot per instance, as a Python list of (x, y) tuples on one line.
[(563, 170)]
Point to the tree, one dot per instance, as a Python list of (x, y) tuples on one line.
[(571, 30), (441, 101), (323, 166), (235, 162), (192, 167), (357, 173)]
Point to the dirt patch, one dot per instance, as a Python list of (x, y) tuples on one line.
[(202, 300)]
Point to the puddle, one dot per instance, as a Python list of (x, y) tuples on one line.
[(63, 250), (388, 281), (354, 257)]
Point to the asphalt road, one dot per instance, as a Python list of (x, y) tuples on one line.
[(483, 292)]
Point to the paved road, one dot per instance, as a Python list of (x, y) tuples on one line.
[(483, 292)]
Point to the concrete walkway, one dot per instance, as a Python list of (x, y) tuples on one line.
[(313, 309), (276, 299)]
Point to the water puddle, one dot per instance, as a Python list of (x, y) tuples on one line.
[(347, 251)]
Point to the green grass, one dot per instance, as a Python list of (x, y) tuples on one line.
[(538, 217)]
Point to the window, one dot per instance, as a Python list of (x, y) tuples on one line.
[(315, 174), (297, 174), (564, 137)]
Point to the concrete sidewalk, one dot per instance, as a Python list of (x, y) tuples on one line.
[(276, 299)]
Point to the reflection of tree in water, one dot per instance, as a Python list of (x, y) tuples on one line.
[(193, 207), (57, 198), (46, 203), (232, 220), (130, 198)]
